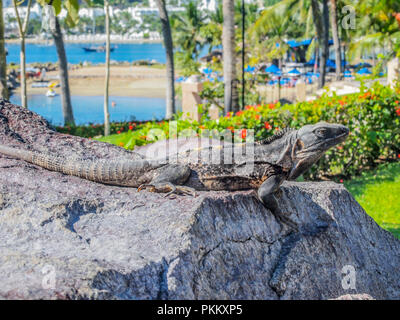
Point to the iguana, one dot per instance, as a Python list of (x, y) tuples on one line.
[(284, 156)]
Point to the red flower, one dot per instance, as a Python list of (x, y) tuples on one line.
[(398, 111), (257, 117), (248, 107), (267, 126), (341, 180), (130, 127), (277, 128), (398, 156), (340, 147), (342, 103), (244, 133), (118, 132), (239, 113), (396, 102), (229, 114), (271, 106)]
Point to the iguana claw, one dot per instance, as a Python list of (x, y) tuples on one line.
[(168, 188)]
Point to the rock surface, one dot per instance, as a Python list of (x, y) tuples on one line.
[(62, 237)]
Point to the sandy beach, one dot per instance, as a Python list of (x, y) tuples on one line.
[(125, 80)]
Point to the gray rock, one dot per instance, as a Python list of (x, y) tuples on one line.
[(62, 237), (355, 297)]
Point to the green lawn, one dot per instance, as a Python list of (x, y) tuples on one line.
[(378, 192)]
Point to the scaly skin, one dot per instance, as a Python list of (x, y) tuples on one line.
[(285, 156)]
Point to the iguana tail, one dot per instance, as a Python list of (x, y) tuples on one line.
[(103, 171)]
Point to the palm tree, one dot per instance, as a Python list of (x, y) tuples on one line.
[(3, 64), (211, 32), (377, 27), (269, 34), (63, 68), (187, 38), (231, 96), (307, 13), (336, 40), (22, 32), (166, 30), (321, 22), (107, 80)]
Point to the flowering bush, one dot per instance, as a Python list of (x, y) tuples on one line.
[(95, 130), (373, 117)]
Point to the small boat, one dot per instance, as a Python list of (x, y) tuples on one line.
[(51, 93), (97, 49)]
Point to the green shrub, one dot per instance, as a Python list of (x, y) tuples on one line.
[(96, 130)]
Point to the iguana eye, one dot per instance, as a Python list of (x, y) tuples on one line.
[(320, 132)]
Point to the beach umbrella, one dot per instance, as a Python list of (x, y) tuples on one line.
[(207, 71), (310, 62), (347, 74), (330, 63), (272, 69), (250, 69), (364, 71), (294, 72), (363, 65)]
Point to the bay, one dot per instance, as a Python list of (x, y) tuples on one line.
[(89, 109), (75, 54)]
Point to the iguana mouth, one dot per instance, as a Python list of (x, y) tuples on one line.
[(325, 143)]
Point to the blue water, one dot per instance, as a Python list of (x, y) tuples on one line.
[(75, 54), (89, 109)]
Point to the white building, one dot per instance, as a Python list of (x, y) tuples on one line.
[(210, 5), (35, 12)]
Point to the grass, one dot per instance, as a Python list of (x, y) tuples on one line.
[(378, 193)]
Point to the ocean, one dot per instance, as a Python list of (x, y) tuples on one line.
[(75, 54), (89, 109)]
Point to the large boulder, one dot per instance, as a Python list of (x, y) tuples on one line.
[(62, 237)]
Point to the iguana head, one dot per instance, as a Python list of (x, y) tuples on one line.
[(311, 143)]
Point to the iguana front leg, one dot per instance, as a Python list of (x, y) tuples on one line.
[(168, 188), (170, 179), (266, 195)]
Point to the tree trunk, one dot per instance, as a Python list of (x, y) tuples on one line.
[(325, 42), (22, 30), (3, 63), (107, 80), (166, 30), (336, 40), (63, 65), (24, 99), (322, 39), (228, 44)]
